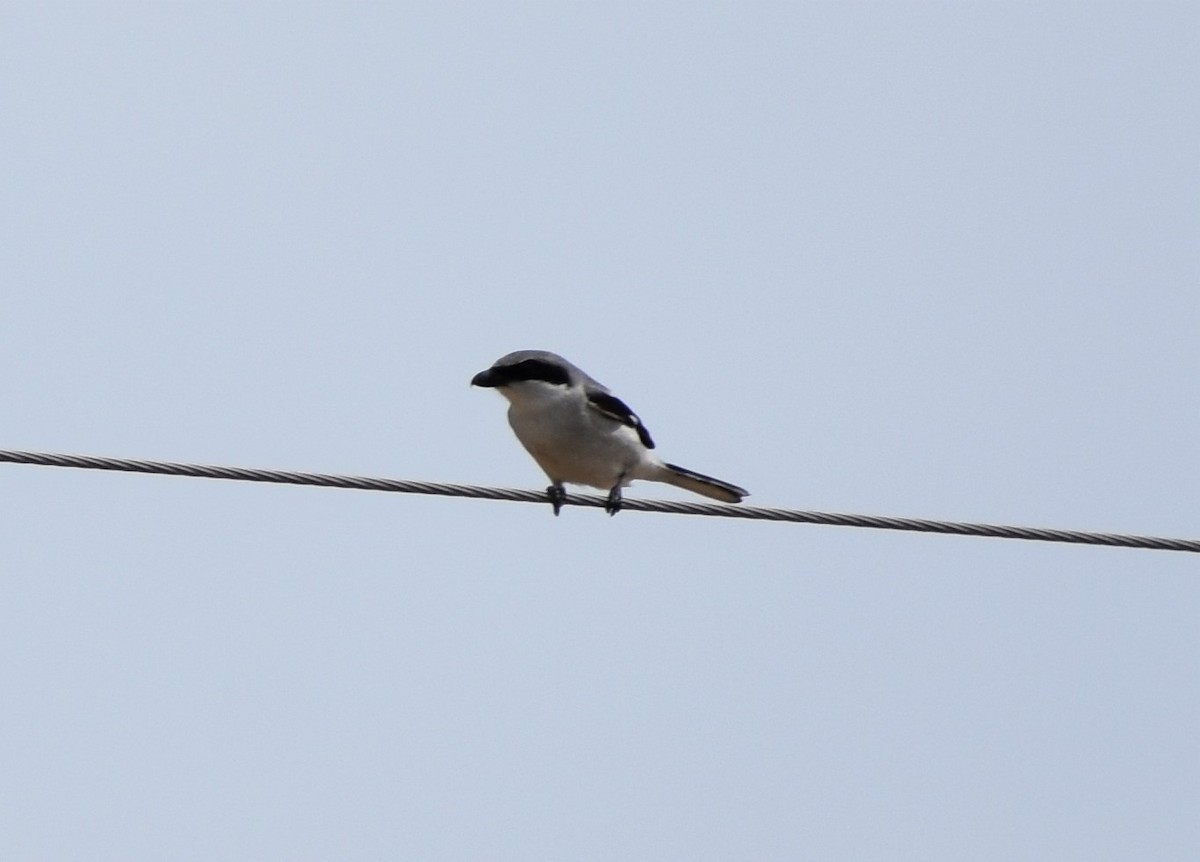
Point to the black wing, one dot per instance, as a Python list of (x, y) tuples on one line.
[(616, 409)]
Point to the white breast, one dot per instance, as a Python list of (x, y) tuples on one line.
[(571, 441)]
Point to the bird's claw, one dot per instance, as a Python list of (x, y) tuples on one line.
[(613, 504), (557, 497)]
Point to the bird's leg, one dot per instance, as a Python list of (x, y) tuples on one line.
[(557, 496), (613, 504)]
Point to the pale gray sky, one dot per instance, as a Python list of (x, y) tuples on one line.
[(934, 260)]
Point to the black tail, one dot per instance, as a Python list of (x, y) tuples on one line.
[(698, 483)]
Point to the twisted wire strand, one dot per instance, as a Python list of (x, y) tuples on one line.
[(752, 513)]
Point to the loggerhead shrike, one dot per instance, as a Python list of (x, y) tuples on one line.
[(581, 433)]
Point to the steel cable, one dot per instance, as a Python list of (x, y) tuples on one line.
[(752, 513)]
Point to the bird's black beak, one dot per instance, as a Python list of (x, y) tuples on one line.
[(488, 379)]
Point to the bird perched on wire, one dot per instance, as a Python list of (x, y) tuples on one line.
[(579, 432)]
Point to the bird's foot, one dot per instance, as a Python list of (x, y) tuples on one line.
[(557, 496), (613, 504)]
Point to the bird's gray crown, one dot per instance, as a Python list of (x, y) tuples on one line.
[(523, 365)]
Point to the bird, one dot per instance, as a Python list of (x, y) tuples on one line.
[(578, 432)]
